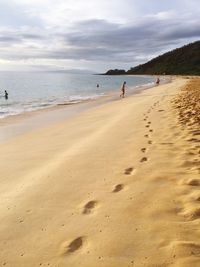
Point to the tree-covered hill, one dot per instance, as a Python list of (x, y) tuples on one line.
[(181, 61)]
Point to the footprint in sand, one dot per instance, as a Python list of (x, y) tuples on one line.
[(150, 130), (146, 135), (147, 126), (89, 206), (196, 132), (160, 110), (149, 122), (143, 159), (192, 214), (197, 198), (143, 149), (193, 140), (73, 246), (128, 171), (193, 182), (118, 188), (185, 248), (149, 142)]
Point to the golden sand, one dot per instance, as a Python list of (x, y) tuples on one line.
[(187, 103), (116, 186)]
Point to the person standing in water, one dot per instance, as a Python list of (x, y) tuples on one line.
[(6, 94), (123, 90)]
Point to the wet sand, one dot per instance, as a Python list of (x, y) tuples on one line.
[(117, 185), (19, 124)]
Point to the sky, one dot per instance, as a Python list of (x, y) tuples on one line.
[(96, 35)]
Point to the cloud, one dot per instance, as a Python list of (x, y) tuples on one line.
[(100, 39), (98, 33), (15, 15)]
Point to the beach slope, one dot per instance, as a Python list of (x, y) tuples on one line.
[(117, 185)]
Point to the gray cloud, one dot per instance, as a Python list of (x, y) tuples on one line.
[(16, 37), (101, 41), (9, 39), (119, 42)]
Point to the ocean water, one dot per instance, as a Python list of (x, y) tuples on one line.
[(32, 91)]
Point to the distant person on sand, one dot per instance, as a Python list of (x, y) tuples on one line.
[(97, 85), (158, 81), (123, 90), (6, 94)]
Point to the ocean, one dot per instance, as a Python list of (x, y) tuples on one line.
[(29, 91)]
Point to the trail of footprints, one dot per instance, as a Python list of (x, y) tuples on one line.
[(148, 125), (192, 164), (193, 213), (190, 206), (187, 105), (76, 244), (90, 206)]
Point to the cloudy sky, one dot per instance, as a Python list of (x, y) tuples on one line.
[(93, 34)]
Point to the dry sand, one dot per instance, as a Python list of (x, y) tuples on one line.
[(116, 186)]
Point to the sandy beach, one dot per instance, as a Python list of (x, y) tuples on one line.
[(115, 186)]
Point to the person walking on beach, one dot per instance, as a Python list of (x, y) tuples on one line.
[(123, 90), (157, 81), (6, 94)]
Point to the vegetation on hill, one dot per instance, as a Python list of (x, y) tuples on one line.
[(181, 61), (116, 72)]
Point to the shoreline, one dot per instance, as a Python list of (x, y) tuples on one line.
[(72, 100), (76, 102), (15, 125), (117, 185)]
